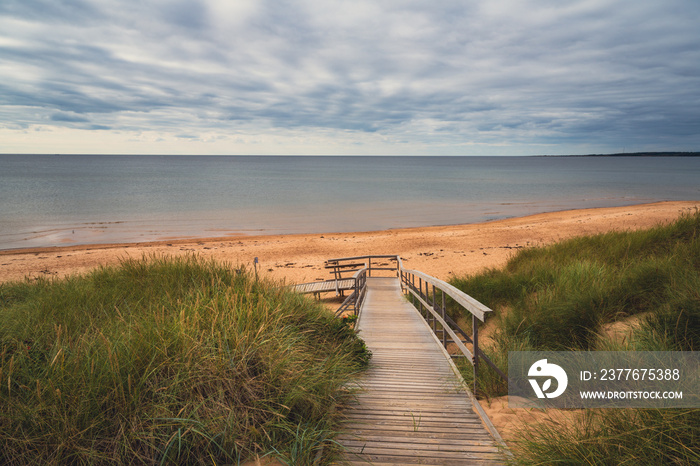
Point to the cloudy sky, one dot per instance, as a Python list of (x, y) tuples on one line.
[(501, 77)]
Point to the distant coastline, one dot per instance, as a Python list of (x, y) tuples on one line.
[(634, 154), (620, 154)]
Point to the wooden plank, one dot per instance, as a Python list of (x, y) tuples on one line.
[(324, 286), (432, 444), (341, 266), (437, 433), (410, 408), (414, 418), (342, 259), (415, 451), (442, 431), (421, 461), (385, 460)]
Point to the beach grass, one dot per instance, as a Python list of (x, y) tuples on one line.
[(168, 360), (564, 297), (559, 297), (614, 437)]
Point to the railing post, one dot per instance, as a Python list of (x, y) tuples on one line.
[(434, 308), (420, 293), (413, 287), (357, 294), (475, 339), (443, 313), (427, 300)]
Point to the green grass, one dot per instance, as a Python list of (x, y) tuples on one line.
[(558, 297), (561, 297), (615, 437), (164, 360)]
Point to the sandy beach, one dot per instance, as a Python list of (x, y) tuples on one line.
[(441, 251)]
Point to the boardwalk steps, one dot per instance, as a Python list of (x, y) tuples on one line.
[(411, 407)]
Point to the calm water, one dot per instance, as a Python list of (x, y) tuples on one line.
[(55, 200)]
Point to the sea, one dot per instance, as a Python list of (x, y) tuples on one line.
[(56, 200)]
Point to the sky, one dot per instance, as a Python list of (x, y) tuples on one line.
[(378, 77)]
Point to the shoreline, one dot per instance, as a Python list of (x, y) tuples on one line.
[(441, 251), (259, 234), (139, 233)]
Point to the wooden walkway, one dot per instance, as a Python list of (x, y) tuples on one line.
[(325, 286), (411, 407)]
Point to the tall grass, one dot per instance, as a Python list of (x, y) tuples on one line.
[(165, 360), (561, 297), (558, 297), (615, 437)]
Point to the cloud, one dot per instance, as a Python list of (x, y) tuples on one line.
[(435, 77), (68, 117), (50, 12)]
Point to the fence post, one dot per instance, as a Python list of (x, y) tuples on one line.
[(420, 293), (357, 294), (435, 309), (475, 339), (413, 287), (443, 314)]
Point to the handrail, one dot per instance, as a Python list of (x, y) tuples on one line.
[(357, 296), (337, 272), (463, 299), (436, 314), (472, 305), (372, 256)]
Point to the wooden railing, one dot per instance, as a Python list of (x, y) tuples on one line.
[(361, 267), (356, 298), (429, 295), (353, 264)]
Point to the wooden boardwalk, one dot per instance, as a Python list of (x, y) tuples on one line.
[(325, 286), (411, 408)]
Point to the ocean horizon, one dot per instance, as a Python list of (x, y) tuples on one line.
[(57, 200)]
